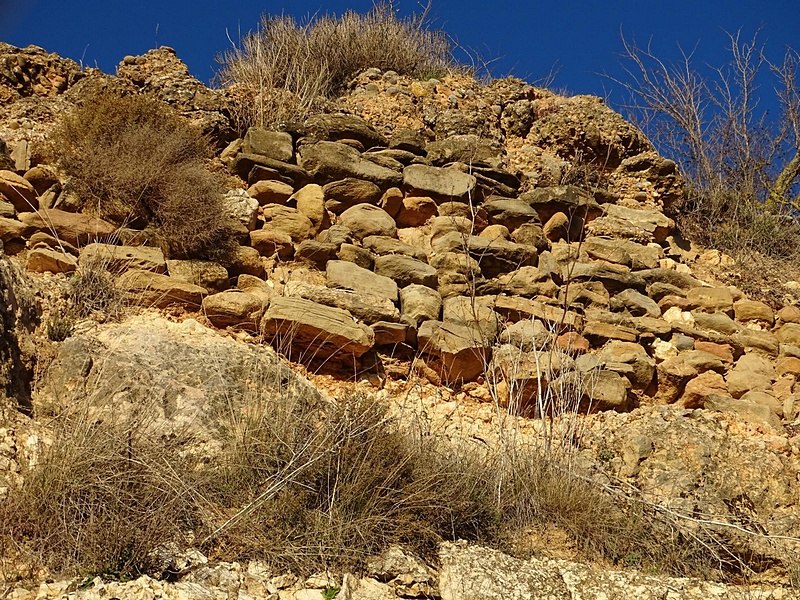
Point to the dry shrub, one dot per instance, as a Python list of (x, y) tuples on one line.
[(92, 292), (107, 493), (136, 162), (287, 67), (741, 161), (311, 484)]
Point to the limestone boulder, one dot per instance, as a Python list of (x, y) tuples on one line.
[(314, 252), (309, 331), (12, 229), (207, 274), (406, 270), (241, 208), (153, 290), (699, 388), (74, 228), (348, 192), (469, 149), (118, 259), (710, 300), (527, 335), (494, 256), (364, 306), (511, 212), (752, 310), (364, 220), (287, 220), (18, 191), (462, 356), (341, 126), (641, 225), (270, 191), (332, 161), (747, 411), (272, 144), (439, 183), (416, 211), (529, 282), (475, 313), (420, 303), (635, 303), (310, 202), (255, 167), (606, 390), (346, 275), (270, 242), (569, 200), (233, 308), (381, 245), (45, 260), (641, 366)]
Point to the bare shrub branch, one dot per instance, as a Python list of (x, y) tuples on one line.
[(742, 164)]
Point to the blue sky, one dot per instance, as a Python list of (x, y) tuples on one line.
[(579, 38)]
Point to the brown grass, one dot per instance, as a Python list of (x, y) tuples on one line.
[(306, 484), (136, 162), (287, 66), (107, 493)]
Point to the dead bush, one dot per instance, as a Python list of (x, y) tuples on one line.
[(310, 484), (741, 161), (286, 67), (91, 292), (136, 162), (110, 491)]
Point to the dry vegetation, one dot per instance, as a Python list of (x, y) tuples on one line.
[(134, 161), (302, 483), (287, 67), (741, 162)]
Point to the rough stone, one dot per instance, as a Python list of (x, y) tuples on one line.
[(344, 194), (287, 220), (233, 308), (18, 191), (272, 144), (463, 357), (73, 228), (270, 191), (366, 219), (310, 201), (420, 303), (332, 161), (314, 331), (121, 258), (44, 260), (366, 307), (636, 224), (438, 183), (349, 276), (406, 270), (416, 211), (154, 290)]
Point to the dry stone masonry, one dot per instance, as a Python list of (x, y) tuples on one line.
[(368, 227)]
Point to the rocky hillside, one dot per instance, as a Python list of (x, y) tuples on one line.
[(466, 245)]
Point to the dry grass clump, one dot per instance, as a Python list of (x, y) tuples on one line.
[(91, 291), (287, 66), (309, 485), (107, 493), (136, 162)]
